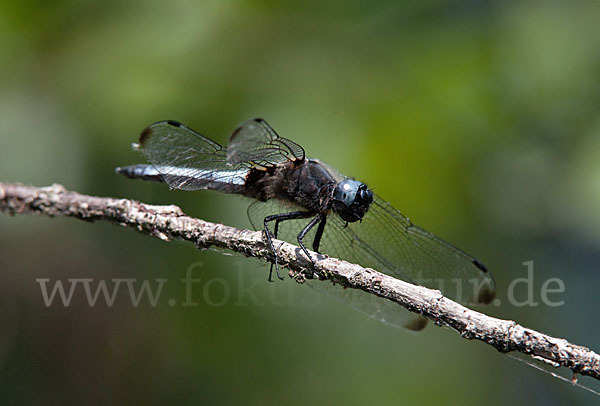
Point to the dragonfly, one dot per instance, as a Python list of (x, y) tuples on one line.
[(305, 201)]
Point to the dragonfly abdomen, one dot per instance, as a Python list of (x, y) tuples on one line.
[(228, 181), (144, 172)]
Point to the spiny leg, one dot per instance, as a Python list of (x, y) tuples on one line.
[(279, 218), (277, 227), (319, 234), (305, 231), (317, 242), (275, 234)]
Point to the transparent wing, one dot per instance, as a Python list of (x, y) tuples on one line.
[(331, 244), (188, 160), (255, 141), (389, 242)]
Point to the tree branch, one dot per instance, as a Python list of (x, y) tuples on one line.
[(169, 222)]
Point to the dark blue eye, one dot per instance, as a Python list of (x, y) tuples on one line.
[(351, 200), (345, 191)]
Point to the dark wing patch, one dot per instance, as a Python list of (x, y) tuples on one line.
[(144, 135), (480, 265)]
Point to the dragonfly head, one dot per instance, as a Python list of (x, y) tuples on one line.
[(351, 200)]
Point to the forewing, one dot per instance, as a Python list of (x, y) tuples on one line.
[(336, 243), (389, 242), (188, 160), (255, 141)]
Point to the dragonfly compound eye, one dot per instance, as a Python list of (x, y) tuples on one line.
[(351, 199), (345, 191)]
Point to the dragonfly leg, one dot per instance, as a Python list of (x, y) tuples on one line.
[(317, 240), (279, 218), (304, 231)]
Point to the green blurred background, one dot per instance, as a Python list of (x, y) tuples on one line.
[(477, 119)]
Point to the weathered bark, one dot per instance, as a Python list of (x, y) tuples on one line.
[(169, 222)]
